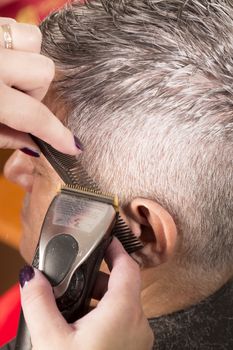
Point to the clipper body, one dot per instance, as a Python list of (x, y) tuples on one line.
[(74, 236)]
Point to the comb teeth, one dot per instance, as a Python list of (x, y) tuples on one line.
[(79, 176), (130, 242), (76, 175)]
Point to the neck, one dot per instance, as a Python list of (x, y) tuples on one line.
[(167, 289)]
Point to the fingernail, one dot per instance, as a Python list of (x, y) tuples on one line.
[(26, 274), (30, 152), (78, 143)]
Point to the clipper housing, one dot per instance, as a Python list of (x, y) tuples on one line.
[(74, 236)]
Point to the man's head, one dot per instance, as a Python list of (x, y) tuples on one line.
[(147, 86)]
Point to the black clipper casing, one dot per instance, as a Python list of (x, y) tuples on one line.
[(76, 231)]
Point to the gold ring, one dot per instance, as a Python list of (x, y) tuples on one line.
[(7, 36)]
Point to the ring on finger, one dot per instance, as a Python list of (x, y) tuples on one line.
[(7, 36)]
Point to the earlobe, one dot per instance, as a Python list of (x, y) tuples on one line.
[(158, 231)]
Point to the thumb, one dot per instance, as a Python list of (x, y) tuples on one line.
[(45, 323)]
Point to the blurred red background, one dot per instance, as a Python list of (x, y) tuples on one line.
[(30, 11)]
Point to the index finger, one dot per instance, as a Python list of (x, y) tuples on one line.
[(25, 37), (29, 115)]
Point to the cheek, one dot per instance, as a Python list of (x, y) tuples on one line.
[(36, 206), (33, 218)]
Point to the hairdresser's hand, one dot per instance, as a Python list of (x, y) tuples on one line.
[(25, 76), (117, 323)]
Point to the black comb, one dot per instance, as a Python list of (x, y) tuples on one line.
[(71, 171)]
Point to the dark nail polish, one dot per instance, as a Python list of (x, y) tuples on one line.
[(30, 152), (78, 143), (26, 274)]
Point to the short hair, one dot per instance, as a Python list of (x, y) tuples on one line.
[(148, 87)]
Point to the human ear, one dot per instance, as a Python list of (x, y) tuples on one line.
[(19, 169), (155, 228)]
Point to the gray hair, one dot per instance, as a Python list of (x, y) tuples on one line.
[(148, 86)]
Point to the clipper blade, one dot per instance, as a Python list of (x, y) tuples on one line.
[(93, 194)]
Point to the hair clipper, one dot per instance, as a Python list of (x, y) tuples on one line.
[(74, 236)]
